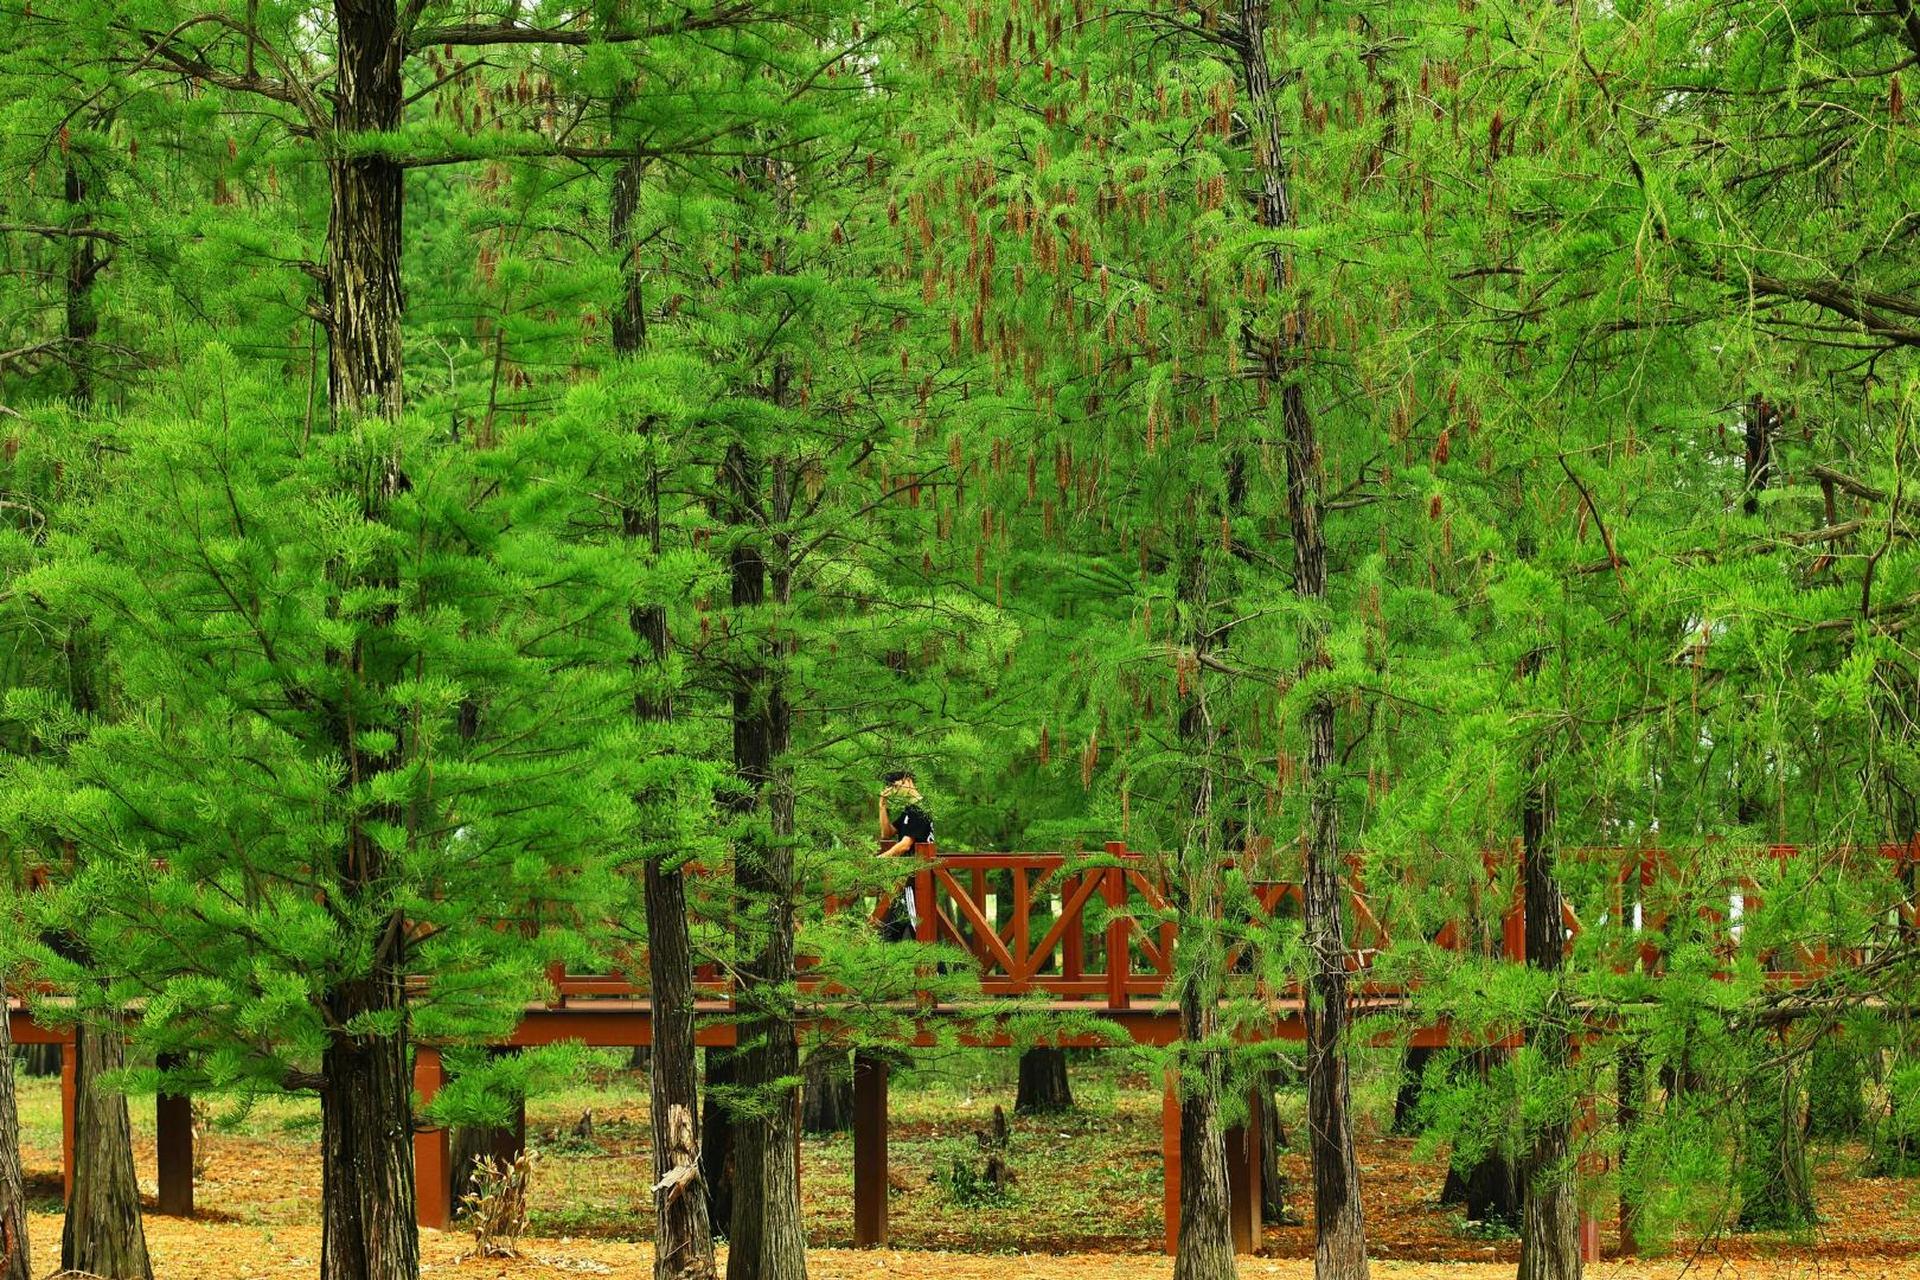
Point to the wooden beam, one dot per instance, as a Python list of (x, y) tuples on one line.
[(432, 1159), (69, 1108), (869, 1152)]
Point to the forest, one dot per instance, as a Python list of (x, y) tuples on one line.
[(1378, 528)]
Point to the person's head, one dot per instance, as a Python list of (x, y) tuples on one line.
[(901, 782)]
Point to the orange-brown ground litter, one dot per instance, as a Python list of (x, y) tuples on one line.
[(1086, 1205), (231, 1251)]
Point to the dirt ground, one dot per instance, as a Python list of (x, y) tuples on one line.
[(202, 1250), (1086, 1205)]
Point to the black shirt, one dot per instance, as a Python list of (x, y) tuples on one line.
[(914, 823)]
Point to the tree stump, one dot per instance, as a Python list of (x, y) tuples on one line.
[(1044, 1086)]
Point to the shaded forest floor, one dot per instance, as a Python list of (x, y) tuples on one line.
[(1088, 1192)]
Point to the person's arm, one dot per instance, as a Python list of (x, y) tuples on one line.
[(886, 822), (898, 847)]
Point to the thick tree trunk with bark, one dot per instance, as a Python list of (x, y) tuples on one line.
[(103, 1235), (1488, 1192), (766, 1241), (716, 1139), (1204, 1245), (14, 1252), (366, 1099), (364, 217), (470, 1144), (1044, 1085), (1550, 1219), (683, 1233), (826, 1093), (366, 1144), (1340, 1247)]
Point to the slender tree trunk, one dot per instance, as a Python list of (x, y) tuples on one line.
[(767, 1241), (1204, 1250), (716, 1138), (826, 1093), (40, 1061), (14, 1253), (1340, 1247), (1631, 1081), (1776, 1190), (1274, 1187), (103, 1235), (83, 264), (366, 1100), (1044, 1084), (683, 1233), (1762, 418), (1550, 1217), (1406, 1099), (1204, 1247)]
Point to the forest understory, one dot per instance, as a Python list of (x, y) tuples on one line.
[(1086, 1203)]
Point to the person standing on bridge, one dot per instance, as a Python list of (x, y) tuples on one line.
[(898, 835)]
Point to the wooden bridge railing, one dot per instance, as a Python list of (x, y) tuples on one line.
[(1097, 929)]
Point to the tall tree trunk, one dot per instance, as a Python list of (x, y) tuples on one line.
[(14, 1252), (1407, 1098), (1762, 418), (1044, 1084), (766, 1241), (716, 1138), (366, 1144), (83, 264), (1274, 1186), (103, 1235), (1776, 1190), (826, 1093), (1550, 1218), (683, 1233), (1631, 1082), (1340, 1245), (366, 1101), (364, 217), (1204, 1246)]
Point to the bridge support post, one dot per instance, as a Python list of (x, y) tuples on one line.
[(869, 1151), (173, 1144), (432, 1156), (1243, 1178), (69, 1108), (1117, 947)]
